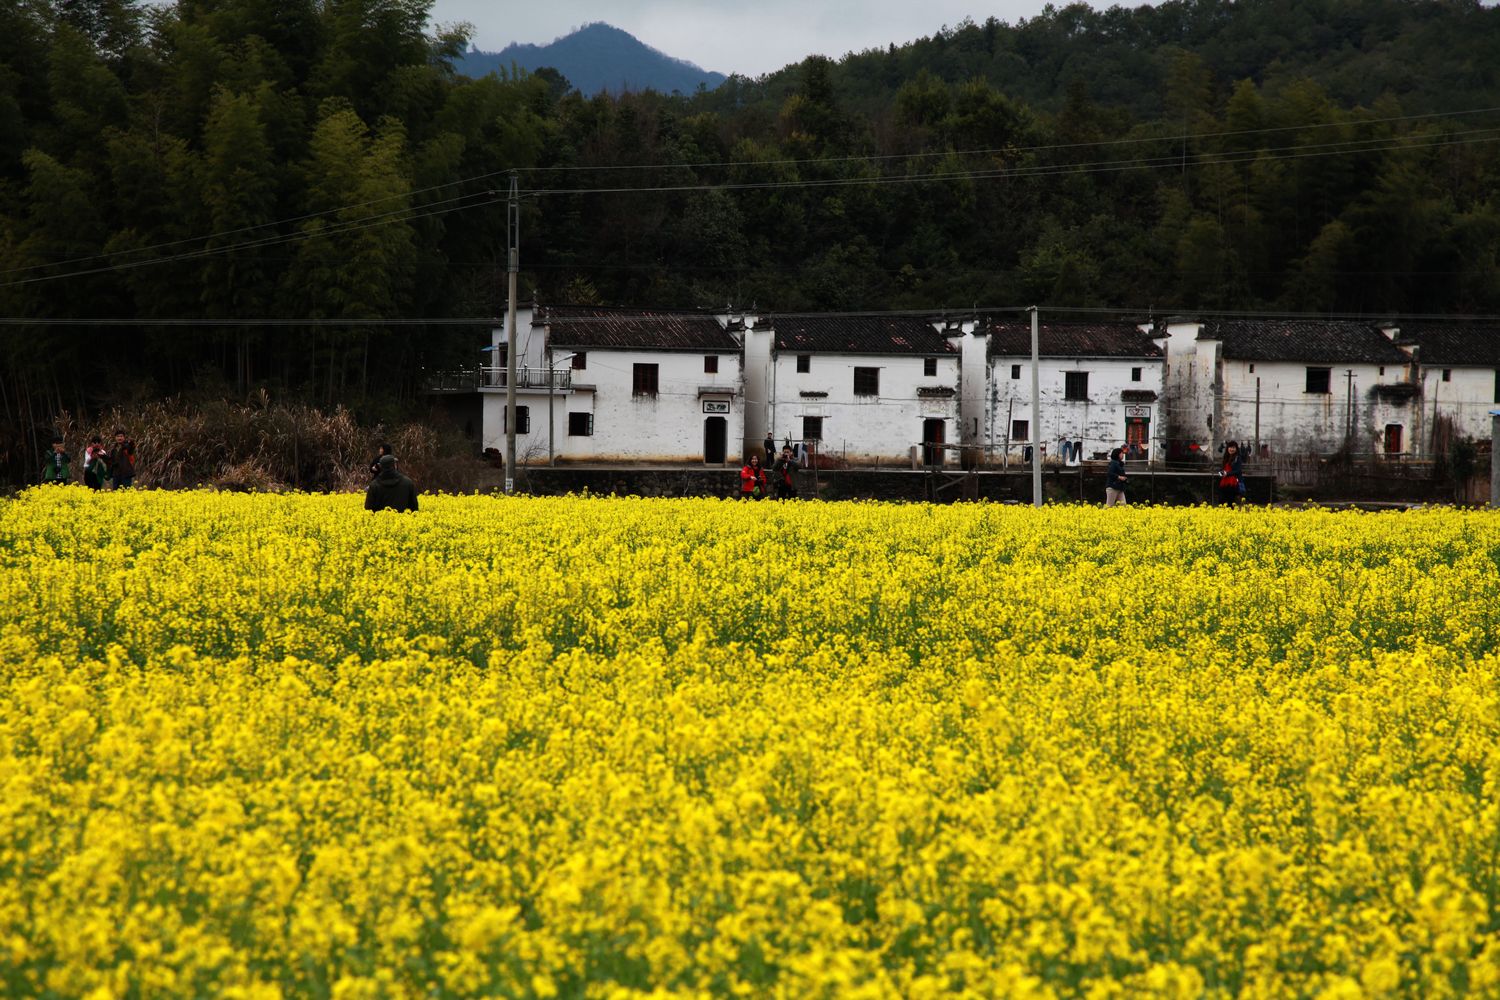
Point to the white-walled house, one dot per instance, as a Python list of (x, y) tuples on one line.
[(1460, 378), (644, 386), (1100, 387), (864, 390), (1298, 387)]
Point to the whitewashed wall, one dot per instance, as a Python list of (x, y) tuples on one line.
[(864, 430), (1467, 398), (666, 428), (759, 341), (1098, 422), (1295, 421), (1188, 400), (973, 382)]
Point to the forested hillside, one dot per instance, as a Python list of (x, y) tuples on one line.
[(293, 159)]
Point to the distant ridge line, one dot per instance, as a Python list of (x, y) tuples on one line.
[(597, 57)]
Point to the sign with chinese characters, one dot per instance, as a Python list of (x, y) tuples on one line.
[(1138, 413), (716, 406)]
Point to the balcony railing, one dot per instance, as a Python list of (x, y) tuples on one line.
[(475, 379)]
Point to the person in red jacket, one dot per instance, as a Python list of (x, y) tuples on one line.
[(752, 480), (1231, 474)]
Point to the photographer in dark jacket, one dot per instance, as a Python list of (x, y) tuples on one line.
[(390, 490), (1114, 479)]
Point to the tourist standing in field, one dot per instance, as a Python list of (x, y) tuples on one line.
[(122, 462), (390, 490), (95, 464), (1231, 474), (785, 475), (753, 479), (58, 469), (1114, 479)]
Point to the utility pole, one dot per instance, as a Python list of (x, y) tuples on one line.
[(513, 252), (1257, 415), (1036, 408), (1495, 458), (1349, 412)]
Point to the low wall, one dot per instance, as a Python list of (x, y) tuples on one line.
[(1060, 486)]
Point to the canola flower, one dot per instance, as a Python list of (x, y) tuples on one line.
[(262, 746)]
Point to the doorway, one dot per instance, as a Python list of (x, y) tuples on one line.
[(933, 430), (1393, 439), (715, 441), (1137, 436)]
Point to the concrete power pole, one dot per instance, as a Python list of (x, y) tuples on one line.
[(513, 341), (1036, 408), (1495, 458)]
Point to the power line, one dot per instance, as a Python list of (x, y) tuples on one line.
[(1130, 140), (1124, 314), (745, 163), (259, 226), (403, 215), (340, 229), (1341, 148)]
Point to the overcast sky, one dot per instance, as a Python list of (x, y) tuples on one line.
[(731, 36)]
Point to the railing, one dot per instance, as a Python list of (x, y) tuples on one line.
[(475, 379)]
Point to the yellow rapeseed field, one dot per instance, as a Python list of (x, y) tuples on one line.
[(261, 746)]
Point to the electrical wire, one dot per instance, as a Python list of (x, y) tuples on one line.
[(411, 215), (990, 151), (1342, 147), (341, 229)]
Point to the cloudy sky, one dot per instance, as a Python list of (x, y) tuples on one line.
[(731, 36)]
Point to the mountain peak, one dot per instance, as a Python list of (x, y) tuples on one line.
[(598, 57)]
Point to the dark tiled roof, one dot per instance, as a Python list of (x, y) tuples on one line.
[(1012, 339), (633, 329), (1304, 341), (1455, 345), (858, 335)]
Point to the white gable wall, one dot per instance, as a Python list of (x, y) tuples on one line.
[(757, 384), (1099, 422), (864, 430), (668, 427), (1293, 420), (1466, 398)]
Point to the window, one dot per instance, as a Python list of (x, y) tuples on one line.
[(580, 361), (644, 381), (523, 419), (1076, 386), (710, 364), (804, 364), (867, 381), (1252, 369), (1135, 374), (1382, 369), (1447, 374), (929, 367), (1015, 371), (1497, 385), (580, 424), (1020, 430), (812, 428), (1319, 380)]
